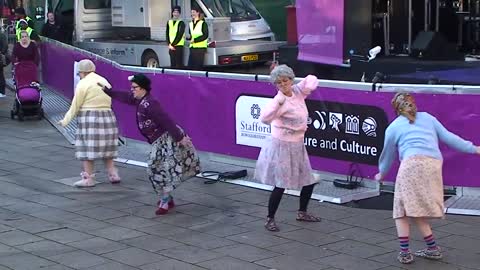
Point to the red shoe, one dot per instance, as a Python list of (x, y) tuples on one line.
[(171, 203), (161, 211)]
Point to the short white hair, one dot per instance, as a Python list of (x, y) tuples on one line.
[(281, 71), (86, 65)]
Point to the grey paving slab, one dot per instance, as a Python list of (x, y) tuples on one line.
[(5, 228), (112, 266), (364, 235), (152, 243), (171, 264), (228, 217), (98, 245), (7, 200), (418, 264), (36, 225), (357, 249), (219, 229), (467, 230), (183, 220), (116, 233), (302, 251), (163, 230), (461, 242), (85, 224), (258, 239), (102, 213), (8, 250), (25, 261), (65, 236), (201, 240), (310, 237), (190, 254), (78, 259), (132, 222), (134, 256), (325, 226), (246, 252), (290, 262), (15, 238), (347, 262), (229, 263), (46, 248), (196, 209), (368, 222)]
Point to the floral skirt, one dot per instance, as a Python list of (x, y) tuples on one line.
[(170, 164), (419, 188), (284, 164)]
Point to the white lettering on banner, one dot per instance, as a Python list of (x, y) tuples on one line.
[(344, 146), (249, 130)]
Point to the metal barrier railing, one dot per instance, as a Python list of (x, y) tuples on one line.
[(360, 86)]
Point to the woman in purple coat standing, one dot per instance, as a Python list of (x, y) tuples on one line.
[(173, 158)]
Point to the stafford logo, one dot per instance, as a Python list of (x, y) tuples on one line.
[(255, 111)]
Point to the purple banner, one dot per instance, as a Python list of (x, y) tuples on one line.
[(216, 113), (320, 31)]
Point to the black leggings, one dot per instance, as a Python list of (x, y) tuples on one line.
[(277, 194)]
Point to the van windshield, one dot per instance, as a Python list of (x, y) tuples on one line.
[(237, 10)]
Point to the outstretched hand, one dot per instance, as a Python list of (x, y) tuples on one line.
[(104, 87), (379, 177)]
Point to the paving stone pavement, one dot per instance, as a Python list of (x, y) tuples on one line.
[(45, 223)]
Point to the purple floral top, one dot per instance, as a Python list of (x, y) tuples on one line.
[(152, 120)]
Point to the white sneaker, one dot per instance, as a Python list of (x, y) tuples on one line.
[(87, 181), (2, 95), (84, 183)]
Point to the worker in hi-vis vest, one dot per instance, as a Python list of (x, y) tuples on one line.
[(19, 15), (176, 38), (23, 26), (198, 39)]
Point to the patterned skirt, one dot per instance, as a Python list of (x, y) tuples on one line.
[(97, 135), (284, 164), (419, 188), (170, 164)]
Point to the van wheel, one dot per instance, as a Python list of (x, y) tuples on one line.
[(150, 60)]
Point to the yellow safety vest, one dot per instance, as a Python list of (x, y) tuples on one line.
[(173, 30), (28, 19), (19, 32), (195, 33)]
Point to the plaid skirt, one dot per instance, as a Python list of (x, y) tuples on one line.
[(170, 164), (97, 135)]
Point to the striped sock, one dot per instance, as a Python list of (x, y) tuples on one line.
[(430, 241), (404, 244)]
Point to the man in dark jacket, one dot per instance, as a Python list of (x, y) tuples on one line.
[(3, 61), (52, 29)]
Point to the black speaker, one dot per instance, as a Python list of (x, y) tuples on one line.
[(434, 46)]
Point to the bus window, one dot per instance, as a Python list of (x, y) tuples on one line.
[(97, 4)]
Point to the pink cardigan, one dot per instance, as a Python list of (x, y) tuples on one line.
[(289, 120)]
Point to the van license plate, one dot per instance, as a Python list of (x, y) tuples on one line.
[(250, 57)]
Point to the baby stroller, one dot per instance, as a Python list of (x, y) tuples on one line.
[(28, 97)]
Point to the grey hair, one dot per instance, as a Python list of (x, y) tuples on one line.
[(281, 71), (86, 65)]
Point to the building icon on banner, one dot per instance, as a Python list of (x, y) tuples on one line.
[(352, 125)]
